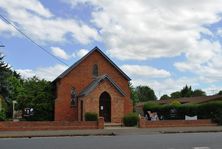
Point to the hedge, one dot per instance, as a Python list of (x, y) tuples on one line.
[(218, 117), (2, 115), (91, 116), (203, 111), (130, 119)]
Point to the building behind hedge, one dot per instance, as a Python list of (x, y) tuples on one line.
[(92, 84), (183, 101)]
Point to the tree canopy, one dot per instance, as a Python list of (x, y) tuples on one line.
[(175, 95), (37, 94), (29, 93), (145, 93), (198, 92), (219, 93), (164, 97), (133, 94), (4, 74), (186, 91)]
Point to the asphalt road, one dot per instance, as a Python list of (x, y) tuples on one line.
[(152, 141)]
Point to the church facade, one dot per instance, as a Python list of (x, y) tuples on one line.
[(92, 84)]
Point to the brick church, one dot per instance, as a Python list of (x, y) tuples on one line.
[(92, 84)]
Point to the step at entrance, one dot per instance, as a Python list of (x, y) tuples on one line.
[(113, 124)]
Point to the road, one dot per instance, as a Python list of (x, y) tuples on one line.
[(152, 141)]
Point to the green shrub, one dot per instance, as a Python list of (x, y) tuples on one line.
[(150, 106), (2, 115), (188, 109), (217, 117), (90, 116), (130, 119), (203, 111), (175, 103)]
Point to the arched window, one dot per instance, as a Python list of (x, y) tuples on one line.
[(95, 71), (73, 97)]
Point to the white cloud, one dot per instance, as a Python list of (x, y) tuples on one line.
[(146, 71), (47, 73), (212, 89), (204, 60), (5, 28), (82, 52), (73, 54), (60, 53), (219, 32), (74, 2), (166, 86), (31, 5), (38, 22), (145, 29)]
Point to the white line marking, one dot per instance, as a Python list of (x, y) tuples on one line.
[(201, 148)]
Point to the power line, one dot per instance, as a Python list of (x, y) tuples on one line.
[(27, 37)]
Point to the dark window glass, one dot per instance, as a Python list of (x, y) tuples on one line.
[(73, 97), (95, 70)]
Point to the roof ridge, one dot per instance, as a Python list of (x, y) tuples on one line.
[(84, 57), (94, 83)]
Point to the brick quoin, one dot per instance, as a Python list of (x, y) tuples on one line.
[(80, 77)]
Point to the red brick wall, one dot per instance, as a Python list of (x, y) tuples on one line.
[(51, 125), (80, 77), (143, 123), (91, 102)]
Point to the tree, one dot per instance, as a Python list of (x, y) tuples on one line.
[(164, 97), (186, 91), (37, 94), (29, 93), (198, 92), (133, 94), (219, 93), (175, 95), (15, 83), (145, 93), (4, 74)]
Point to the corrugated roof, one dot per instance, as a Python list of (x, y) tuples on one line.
[(96, 82), (84, 57), (187, 100), (200, 99)]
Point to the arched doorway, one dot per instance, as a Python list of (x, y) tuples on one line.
[(105, 106)]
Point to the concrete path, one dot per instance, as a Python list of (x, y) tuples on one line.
[(108, 131)]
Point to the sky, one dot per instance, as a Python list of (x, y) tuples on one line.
[(164, 44)]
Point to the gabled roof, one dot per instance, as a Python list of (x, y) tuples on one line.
[(84, 57), (96, 82)]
